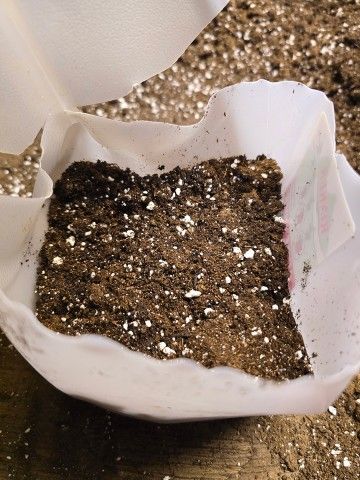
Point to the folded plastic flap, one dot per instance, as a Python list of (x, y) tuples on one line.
[(56, 55)]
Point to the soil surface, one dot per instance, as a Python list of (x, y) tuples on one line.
[(189, 263), (313, 42)]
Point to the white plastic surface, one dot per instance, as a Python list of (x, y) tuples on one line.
[(61, 54), (286, 121)]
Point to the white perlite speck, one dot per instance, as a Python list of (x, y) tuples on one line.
[(332, 410), (268, 251), (71, 240), (275, 307), (168, 351), (227, 280), (249, 254), (165, 349), (336, 451), (346, 462), (237, 250), (208, 310), (278, 219), (188, 220), (181, 231), (129, 234), (298, 355), (148, 323), (256, 331), (192, 294), (150, 206), (57, 261)]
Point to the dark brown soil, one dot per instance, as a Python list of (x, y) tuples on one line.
[(190, 263)]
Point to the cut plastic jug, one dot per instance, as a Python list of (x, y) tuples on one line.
[(285, 121)]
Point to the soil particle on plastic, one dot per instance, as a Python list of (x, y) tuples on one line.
[(306, 272), (189, 263)]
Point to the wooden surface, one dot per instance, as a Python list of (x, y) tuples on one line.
[(71, 439)]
